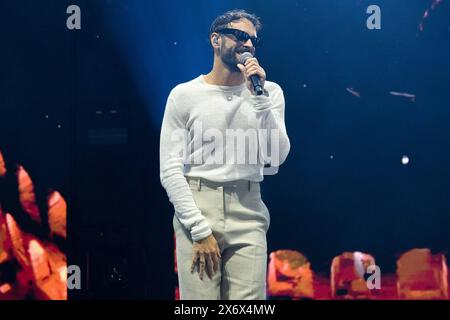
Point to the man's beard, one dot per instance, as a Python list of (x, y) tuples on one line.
[(229, 58)]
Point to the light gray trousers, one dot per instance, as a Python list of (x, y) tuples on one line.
[(239, 220)]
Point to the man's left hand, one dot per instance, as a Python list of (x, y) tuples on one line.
[(250, 68)]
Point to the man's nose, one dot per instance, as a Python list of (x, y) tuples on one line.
[(248, 43)]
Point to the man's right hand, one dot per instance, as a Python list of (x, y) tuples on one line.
[(206, 254)]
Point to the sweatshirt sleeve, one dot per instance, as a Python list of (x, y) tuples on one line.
[(173, 147), (270, 116)]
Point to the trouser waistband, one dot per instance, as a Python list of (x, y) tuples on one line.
[(200, 183)]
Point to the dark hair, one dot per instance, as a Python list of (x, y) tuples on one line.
[(223, 20)]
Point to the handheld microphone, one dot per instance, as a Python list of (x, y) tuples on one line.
[(255, 79)]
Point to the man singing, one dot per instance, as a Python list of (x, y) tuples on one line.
[(218, 136)]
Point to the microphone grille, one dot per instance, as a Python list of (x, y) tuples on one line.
[(244, 57)]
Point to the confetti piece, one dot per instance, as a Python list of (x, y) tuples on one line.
[(353, 92), (410, 96), (427, 12)]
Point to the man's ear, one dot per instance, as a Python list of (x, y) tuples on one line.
[(215, 40)]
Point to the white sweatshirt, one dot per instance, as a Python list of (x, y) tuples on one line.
[(200, 136)]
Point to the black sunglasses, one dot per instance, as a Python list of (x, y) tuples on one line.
[(240, 35)]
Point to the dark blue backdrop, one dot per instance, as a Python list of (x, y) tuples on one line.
[(344, 186)]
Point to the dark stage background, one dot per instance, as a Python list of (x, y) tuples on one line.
[(81, 110)]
